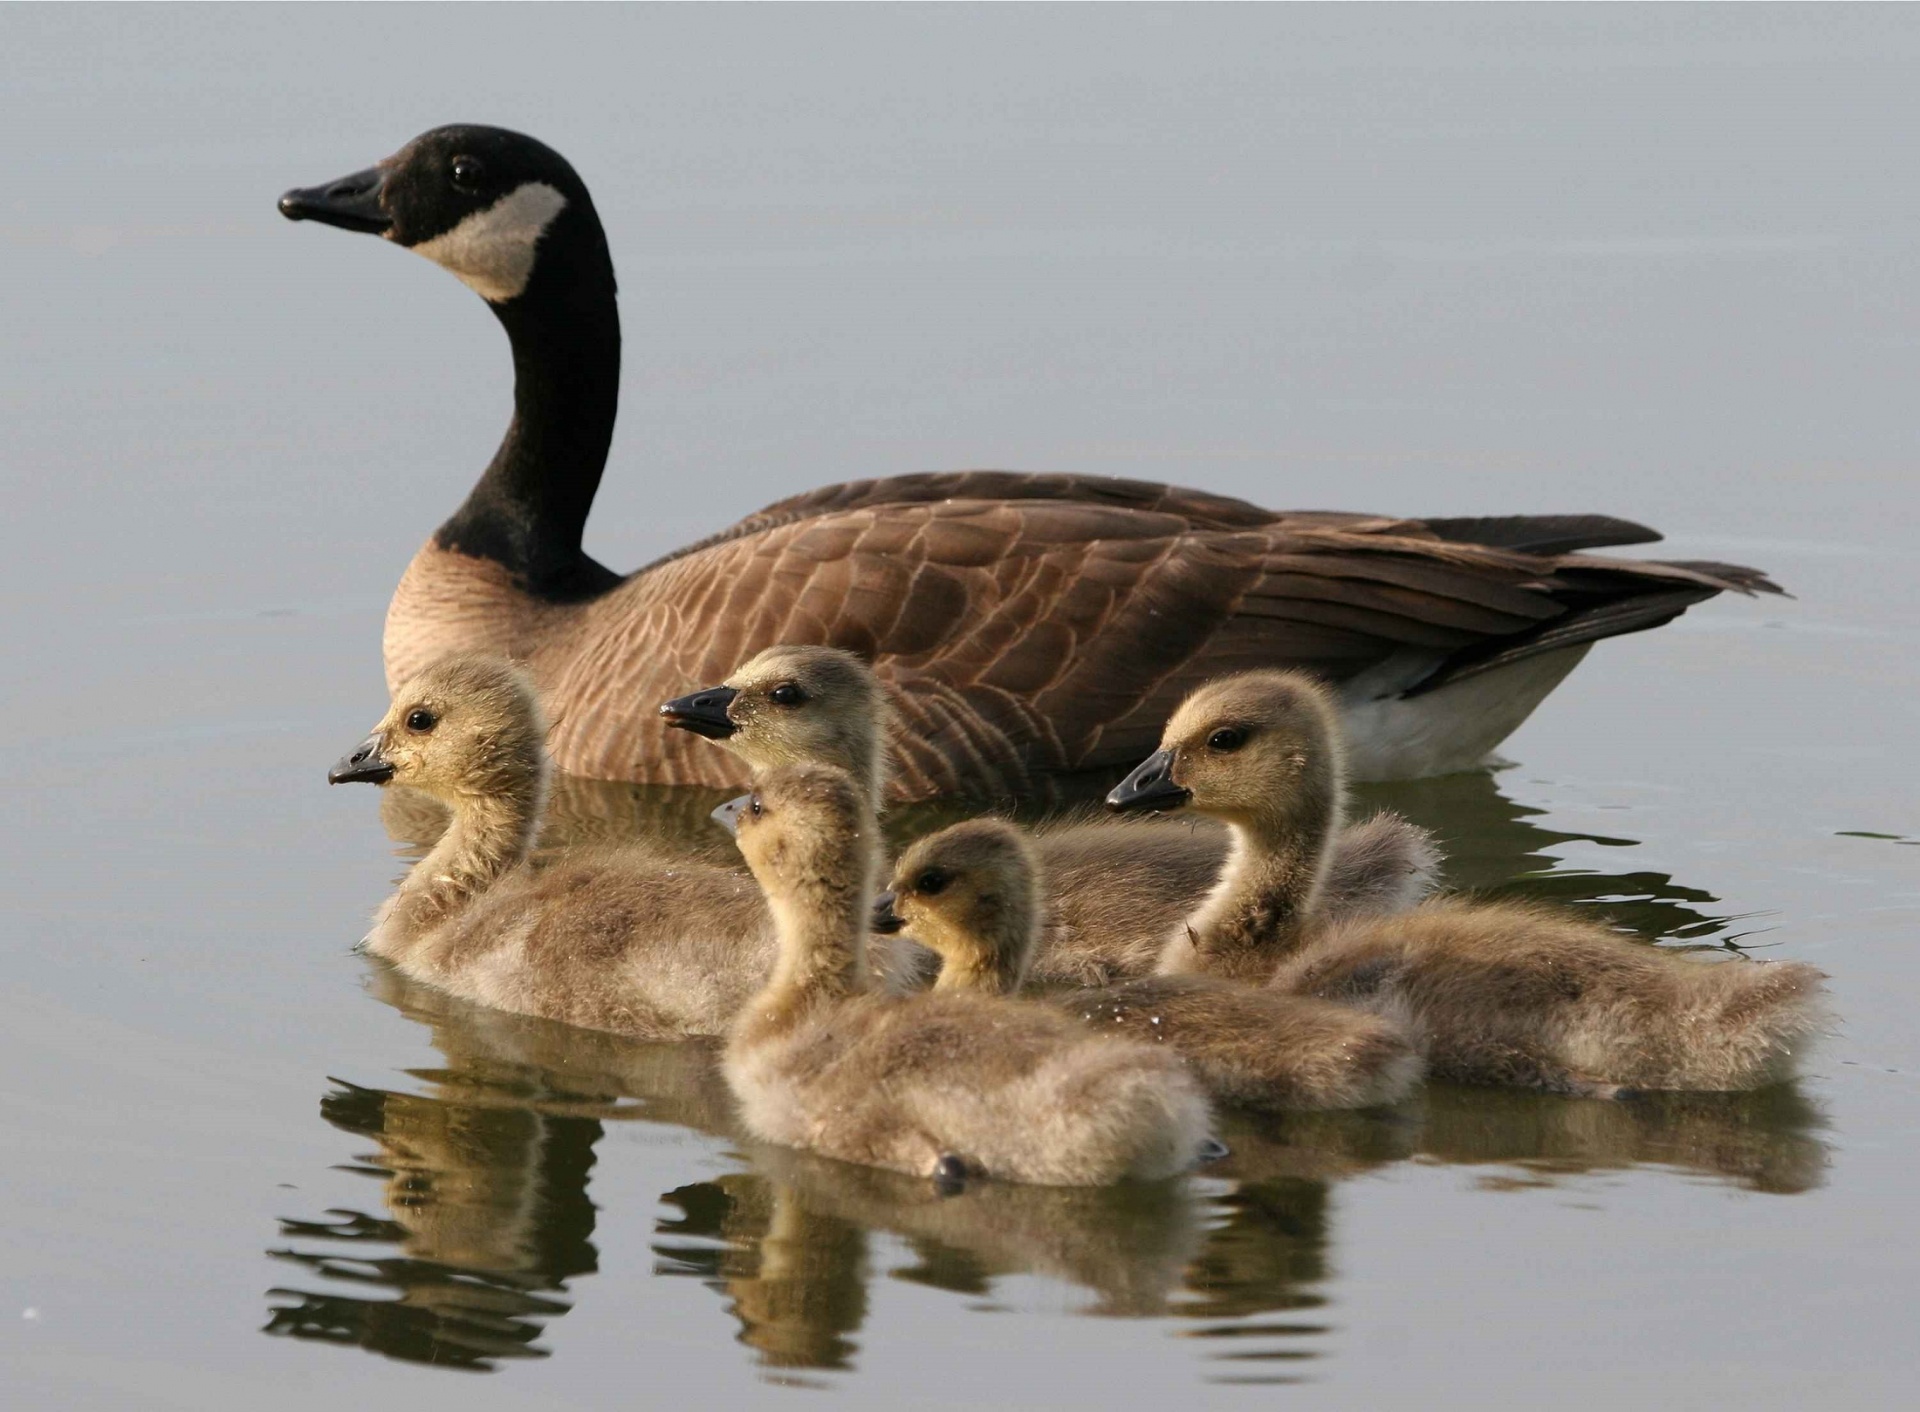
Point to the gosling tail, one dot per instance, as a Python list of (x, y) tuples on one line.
[(1750, 1024)]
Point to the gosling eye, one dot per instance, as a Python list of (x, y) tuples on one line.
[(420, 720), (754, 807), (467, 173), (931, 883), (787, 694), (1227, 739)]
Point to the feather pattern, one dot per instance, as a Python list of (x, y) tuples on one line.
[(1032, 626)]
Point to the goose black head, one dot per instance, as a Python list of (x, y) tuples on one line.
[(481, 201)]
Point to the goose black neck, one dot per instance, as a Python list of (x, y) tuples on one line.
[(529, 510)]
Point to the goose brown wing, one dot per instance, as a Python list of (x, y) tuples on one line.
[(1201, 510), (1032, 636)]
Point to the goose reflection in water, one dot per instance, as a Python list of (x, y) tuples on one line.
[(484, 1162)]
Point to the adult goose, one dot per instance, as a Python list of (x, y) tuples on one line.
[(1033, 626)]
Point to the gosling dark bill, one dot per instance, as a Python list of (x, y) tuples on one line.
[(703, 712), (1150, 786), (365, 764), (885, 920)]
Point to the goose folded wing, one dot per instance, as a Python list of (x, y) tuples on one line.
[(1047, 635), (1202, 510)]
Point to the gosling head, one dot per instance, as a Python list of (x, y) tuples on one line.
[(970, 893), (806, 831), (467, 727), (485, 203), (1260, 751), (790, 706)]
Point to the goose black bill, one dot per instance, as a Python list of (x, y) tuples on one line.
[(352, 203)]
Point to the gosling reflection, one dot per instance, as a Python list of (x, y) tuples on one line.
[(1765, 1140), (489, 1218), (788, 1245), (794, 1276), (484, 1179), (1125, 1246)]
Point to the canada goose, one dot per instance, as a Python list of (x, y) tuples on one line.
[(971, 893), (944, 1086), (1496, 992), (1113, 888), (616, 939), (1032, 626)]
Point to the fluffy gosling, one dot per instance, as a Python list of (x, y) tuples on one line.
[(941, 1085), (1500, 993), (970, 893)]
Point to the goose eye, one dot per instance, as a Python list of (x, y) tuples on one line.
[(467, 173), (753, 806), (1226, 740), (930, 883), (420, 720), (786, 694)]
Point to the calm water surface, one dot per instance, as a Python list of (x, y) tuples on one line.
[(1661, 264)]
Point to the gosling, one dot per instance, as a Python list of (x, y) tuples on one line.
[(1111, 893), (607, 938), (1494, 993), (946, 1086), (971, 894)]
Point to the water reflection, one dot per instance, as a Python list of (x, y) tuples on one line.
[(1765, 1141), (1495, 848), (794, 1277), (487, 1214), (483, 1162), (484, 1182)]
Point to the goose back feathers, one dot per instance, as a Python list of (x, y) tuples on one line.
[(1029, 628)]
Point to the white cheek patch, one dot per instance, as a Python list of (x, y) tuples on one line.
[(491, 251)]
